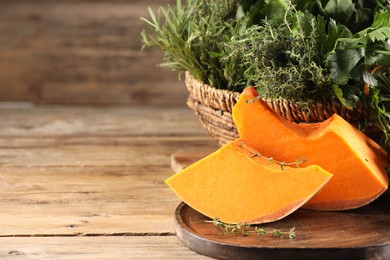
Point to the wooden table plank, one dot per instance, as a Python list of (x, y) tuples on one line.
[(88, 183), (50, 153), (89, 189), (85, 200), (99, 121), (110, 247), (82, 52)]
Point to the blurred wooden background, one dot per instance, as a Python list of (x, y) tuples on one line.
[(82, 52)]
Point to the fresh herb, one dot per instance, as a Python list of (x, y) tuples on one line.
[(191, 37), (231, 229), (380, 101), (353, 56), (351, 63), (259, 10), (356, 15), (306, 51), (280, 234), (282, 61), (256, 154), (244, 229)]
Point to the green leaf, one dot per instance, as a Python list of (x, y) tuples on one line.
[(215, 54), (379, 29), (381, 19), (342, 62), (330, 32), (369, 79), (339, 94), (335, 7), (378, 54), (275, 10), (255, 15), (347, 98), (271, 10), (340, 10), (380, 34)]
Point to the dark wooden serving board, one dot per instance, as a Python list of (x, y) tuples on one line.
[(362, 233)]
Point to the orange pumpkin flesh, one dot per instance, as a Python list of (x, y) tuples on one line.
[(356, 161), (232, 185)]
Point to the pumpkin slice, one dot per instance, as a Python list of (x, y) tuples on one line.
[(357, 162), (235, 185)]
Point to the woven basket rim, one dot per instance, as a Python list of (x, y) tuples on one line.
[(219, 99), (224, 100)]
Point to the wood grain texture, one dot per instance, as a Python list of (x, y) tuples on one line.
[(83, 171), (118, 247), (85, 201), (360, 234), (88, 182), (81, 52), (100, 121)]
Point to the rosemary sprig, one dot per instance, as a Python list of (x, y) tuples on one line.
[(244, 229), (192, 36), (255, 153)]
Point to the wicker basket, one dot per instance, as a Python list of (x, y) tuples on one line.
[(214, 106)]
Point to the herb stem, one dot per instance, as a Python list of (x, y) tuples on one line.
[(244, 229), (254, 154)]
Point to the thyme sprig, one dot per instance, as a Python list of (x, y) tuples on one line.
[(257, 154), (244, 229)]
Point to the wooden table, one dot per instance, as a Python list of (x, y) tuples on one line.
[(88, 183)]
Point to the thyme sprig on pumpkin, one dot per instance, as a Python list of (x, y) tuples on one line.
[(244, 229), (255, 154)]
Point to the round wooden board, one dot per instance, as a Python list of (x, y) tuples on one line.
[(355, 234)]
